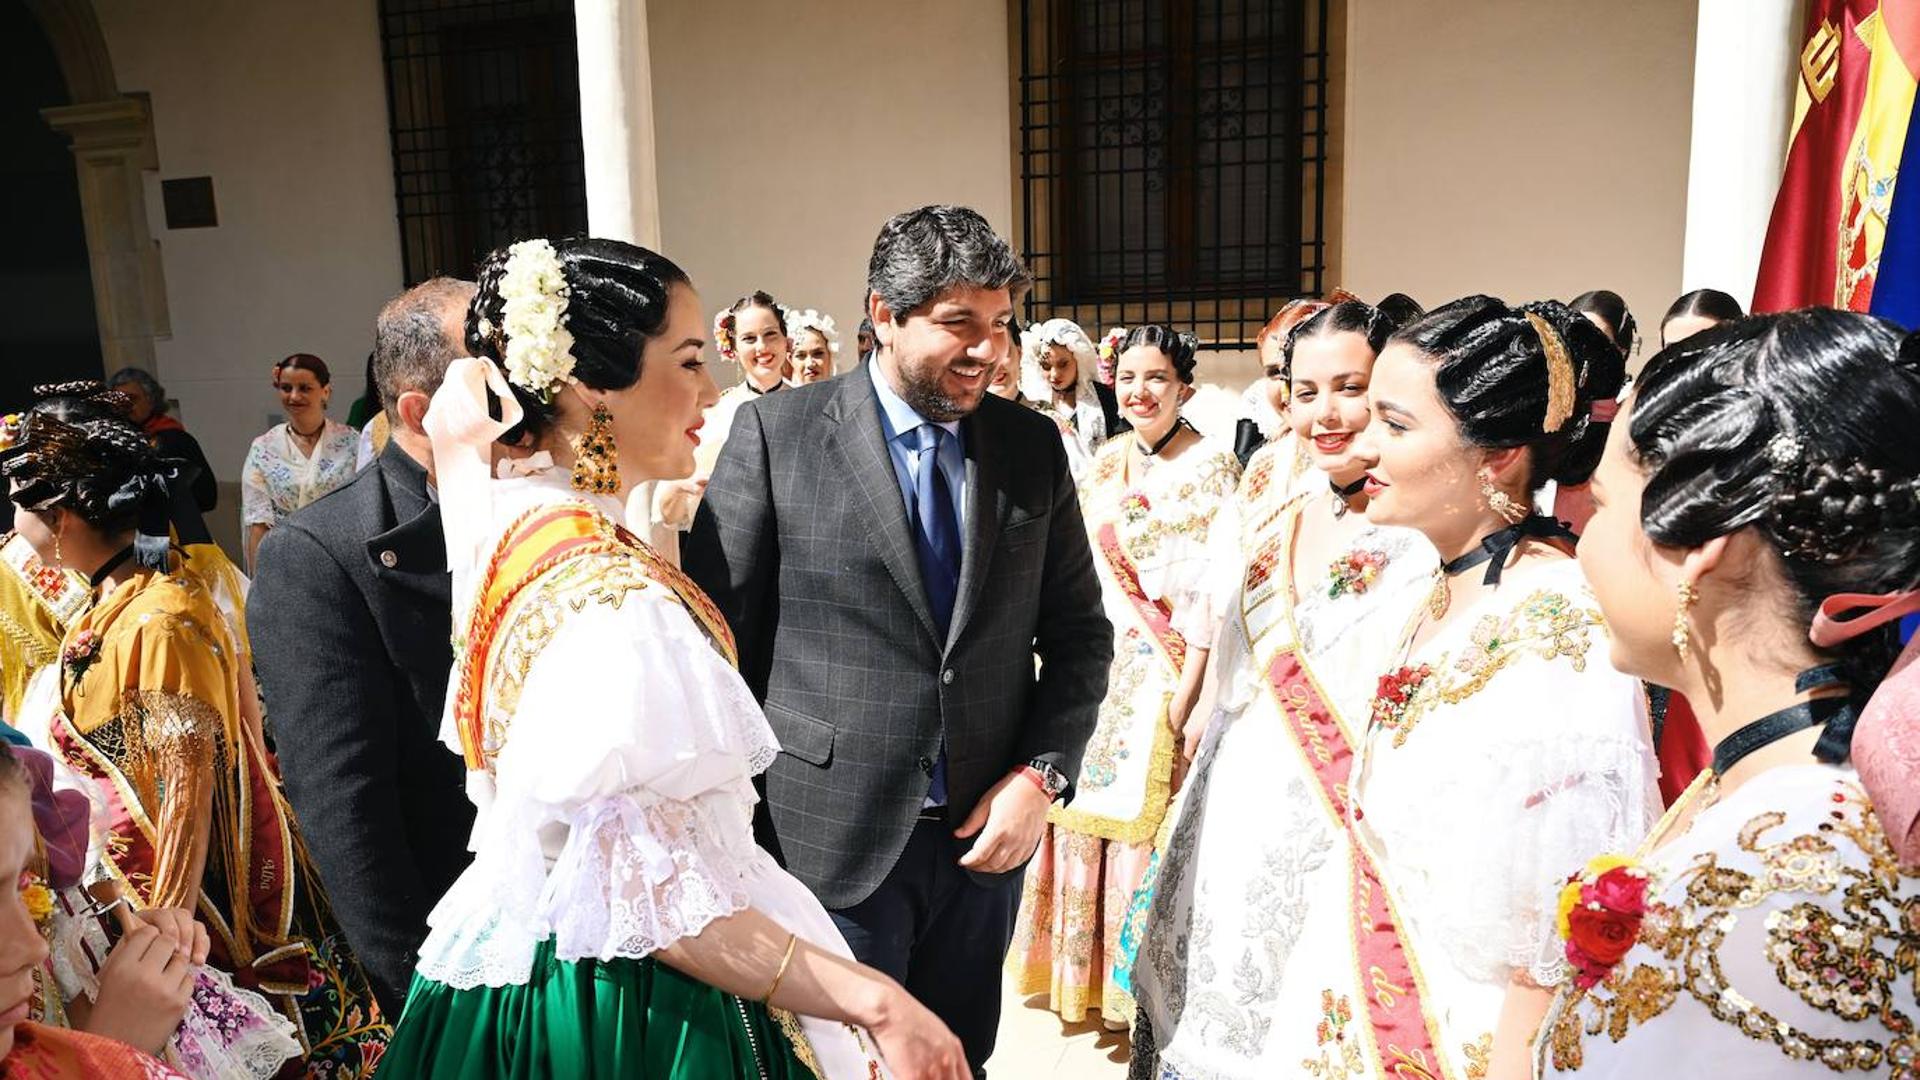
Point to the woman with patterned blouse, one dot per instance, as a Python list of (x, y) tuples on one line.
[(1501, 750), (152, 723), (1248, 929), (1148, 499), (298, 461), (1767, 928)]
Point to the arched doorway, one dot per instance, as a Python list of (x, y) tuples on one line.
[(51, 332)]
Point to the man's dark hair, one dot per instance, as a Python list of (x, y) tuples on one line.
[(411, 349), (922, 253)]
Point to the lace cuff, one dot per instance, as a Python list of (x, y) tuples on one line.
[(635, 879)]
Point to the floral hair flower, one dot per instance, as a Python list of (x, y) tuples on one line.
[(800, 321), (723, 333), (10, 425), (1110, 354), (38, 898), (534, 293), (1599, 916)]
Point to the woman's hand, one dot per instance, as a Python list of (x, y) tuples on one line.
[(181, 929), (915, 1043), (145, 987)]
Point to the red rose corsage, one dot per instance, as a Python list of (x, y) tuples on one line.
[(1393, 699), (1599, 916)]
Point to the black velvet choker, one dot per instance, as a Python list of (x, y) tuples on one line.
[(110, 566), (1836, 714), (1495, 547)]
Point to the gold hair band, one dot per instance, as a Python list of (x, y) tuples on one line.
[(1559, 375), (792, 940)]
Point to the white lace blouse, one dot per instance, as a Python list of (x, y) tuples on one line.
[(1520, 756), (617, 816)]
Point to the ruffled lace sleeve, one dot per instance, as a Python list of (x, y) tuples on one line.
[(620, 817)]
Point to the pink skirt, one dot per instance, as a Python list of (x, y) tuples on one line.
[(1066, 939)]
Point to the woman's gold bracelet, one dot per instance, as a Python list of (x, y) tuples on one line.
[(785, 962)]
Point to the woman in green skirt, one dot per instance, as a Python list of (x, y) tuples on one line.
[(618, 919)]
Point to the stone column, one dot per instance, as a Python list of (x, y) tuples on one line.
[(112, 147), (1745, 70), (616, 120)]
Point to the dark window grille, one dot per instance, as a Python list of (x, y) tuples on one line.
[(1172, 159), (483, 100)]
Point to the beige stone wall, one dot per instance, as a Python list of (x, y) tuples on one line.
[(284, 105), (1523, 148), (787, 133)]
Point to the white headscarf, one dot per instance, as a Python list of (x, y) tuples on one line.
[(1090, 422)]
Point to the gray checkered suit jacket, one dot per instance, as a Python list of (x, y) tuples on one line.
[(802, 540)]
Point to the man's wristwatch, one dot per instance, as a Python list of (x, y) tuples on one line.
[(1051, 780)]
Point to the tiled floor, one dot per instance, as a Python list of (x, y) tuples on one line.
[(1035, 1045)]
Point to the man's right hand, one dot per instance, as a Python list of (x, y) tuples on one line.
[(145, 987)]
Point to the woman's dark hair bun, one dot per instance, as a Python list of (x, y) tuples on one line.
[(1180, 346), (1492, 369), (617, 296), (1790, 424)]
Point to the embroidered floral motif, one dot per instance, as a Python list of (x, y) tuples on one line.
[(1355, 572), (1393, 700), (1108, 749), (1340, 1057), (1134, 507), (1844, 955), (1547, 624)]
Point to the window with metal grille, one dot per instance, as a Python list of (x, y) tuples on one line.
[(484, 103), (1172, 155)]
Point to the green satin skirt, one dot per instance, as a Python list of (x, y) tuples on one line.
[(588, 1020)]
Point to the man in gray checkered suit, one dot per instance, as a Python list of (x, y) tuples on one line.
[(893, 549)]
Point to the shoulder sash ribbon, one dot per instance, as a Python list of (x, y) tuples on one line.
[(543, 540)]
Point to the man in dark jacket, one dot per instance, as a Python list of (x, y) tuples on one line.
[(889, 602), (350, 618)]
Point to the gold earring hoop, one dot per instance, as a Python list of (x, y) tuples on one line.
[(1686, 596), (1501, 503), (596, 468)]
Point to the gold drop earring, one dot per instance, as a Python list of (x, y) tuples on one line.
[(1501, 503), (596, 468), (1682, 631)]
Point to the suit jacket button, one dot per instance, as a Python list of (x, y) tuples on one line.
[(389, 560), (926, 764), (946, 677)]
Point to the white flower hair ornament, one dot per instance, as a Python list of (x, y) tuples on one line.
[(800, 321), (533, 292)]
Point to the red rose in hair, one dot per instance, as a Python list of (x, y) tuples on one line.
[(1604, 936)]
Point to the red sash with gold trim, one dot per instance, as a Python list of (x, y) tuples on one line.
[(540, 542), (1156, 615), (1390, 981)]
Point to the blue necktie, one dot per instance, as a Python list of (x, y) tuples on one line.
[(936, 540)]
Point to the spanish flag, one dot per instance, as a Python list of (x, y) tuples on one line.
[(1858, 66)]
